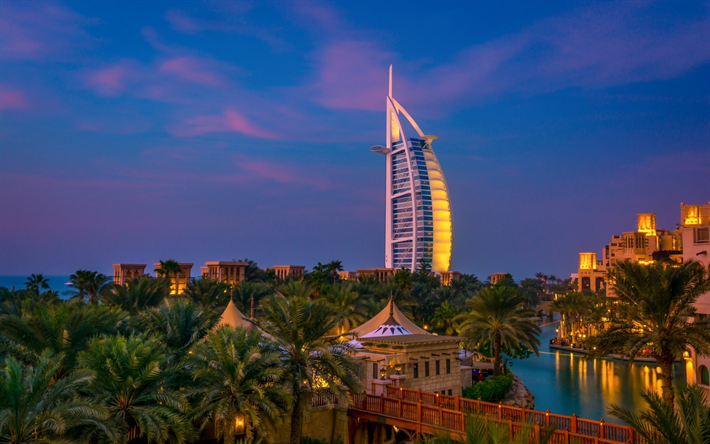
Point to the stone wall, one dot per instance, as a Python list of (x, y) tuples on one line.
[(519, 395)]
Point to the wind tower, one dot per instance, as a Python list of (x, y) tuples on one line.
[(418, 221)]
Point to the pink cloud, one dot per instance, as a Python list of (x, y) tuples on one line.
[(39, 30), (12, 99), (109, 81), (191, 70), (229, 121), (601, 46), (281, 173)]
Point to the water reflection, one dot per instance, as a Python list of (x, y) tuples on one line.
[(565, 383)]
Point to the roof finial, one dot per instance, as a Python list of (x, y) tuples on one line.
[(251, 315), (390, 80), (391, 304)]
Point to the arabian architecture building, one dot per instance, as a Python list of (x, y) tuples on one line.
[(418, 215)]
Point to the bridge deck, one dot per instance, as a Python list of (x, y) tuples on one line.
[(429, 413)]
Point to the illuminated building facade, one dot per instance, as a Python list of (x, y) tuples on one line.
[(418, 221), (695, 229), (646, 245)]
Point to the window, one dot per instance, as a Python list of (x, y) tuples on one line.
[(436, 367), (450, 392), (701, 235), (426, 369), (374, 370), (448, 368), (416, 370), (704, 375)]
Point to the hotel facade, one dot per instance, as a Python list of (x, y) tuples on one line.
[(418, 224)]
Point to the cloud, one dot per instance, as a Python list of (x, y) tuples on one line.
[(598, 47), (281, 173), (39, 30), (110, 81), (12, 99), (226, 17), (229, 121), (192, 70)]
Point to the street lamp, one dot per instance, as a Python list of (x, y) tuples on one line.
[(240, 426)]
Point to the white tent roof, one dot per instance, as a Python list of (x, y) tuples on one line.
[(233, 317), (383, 317)]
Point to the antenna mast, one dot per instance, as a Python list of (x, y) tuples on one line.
[(390, 80)]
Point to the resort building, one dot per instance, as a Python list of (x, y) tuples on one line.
[(497, 277), (179, 282), (380, 274), (123, 273), (231, 273), (347, 275), (395, 351), (646, 245), (289, 271), (447, 276), (418, 223), (695, 230)]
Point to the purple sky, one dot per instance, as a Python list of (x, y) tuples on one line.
[(133, 132)]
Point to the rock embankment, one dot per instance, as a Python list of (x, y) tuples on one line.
[(519, 395)]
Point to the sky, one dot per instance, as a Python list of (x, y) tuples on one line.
[(138, 131)]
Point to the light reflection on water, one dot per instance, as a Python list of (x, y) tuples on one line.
[(565, 383)]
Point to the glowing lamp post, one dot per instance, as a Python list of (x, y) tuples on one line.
[(383, 373), (398, 368), (240, 426)]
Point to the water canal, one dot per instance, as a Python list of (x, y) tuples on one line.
[(565, 383)]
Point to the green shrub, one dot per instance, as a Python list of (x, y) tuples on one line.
[(491, 389)]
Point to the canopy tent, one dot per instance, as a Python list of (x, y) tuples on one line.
[(382, 322), (234, 318)]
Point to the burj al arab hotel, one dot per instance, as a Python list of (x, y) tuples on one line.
[(418, 214)]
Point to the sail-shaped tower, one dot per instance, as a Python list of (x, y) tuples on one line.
[(418, 214)]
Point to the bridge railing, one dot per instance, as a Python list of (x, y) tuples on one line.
[(449, 412)]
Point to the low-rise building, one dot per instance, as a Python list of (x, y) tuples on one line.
[(695, 230), (347, 275), (179, 282), (231, 273), (497, 277), (123, 273), (447, 276), (647, 245), (380, 274), (289, 271), (395, 351)]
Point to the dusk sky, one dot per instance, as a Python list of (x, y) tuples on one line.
[(132, 132)]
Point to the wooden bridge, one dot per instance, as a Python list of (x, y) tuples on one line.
[(423, 413)]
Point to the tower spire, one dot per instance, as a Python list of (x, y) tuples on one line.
[(390, 80)]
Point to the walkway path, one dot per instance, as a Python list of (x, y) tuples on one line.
[(420, 413)]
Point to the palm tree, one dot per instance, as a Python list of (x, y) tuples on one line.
[(36, 407), (137, 294), (37, 282), (310, 359), (661, 305), (170, 267), (662, 423), (573, 306), (334, 267), (486, 430), (296, 289), (238, 377), (89, 283), (178, 325), (134, 385), (497, 317), (348, 302), (444, 319), (207, 292), (65, 330), (245, 292)]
